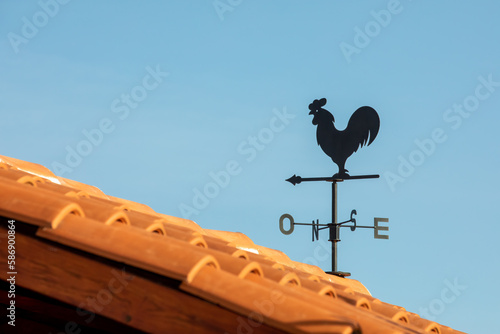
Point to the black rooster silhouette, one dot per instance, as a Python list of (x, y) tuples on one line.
[(340, 145)]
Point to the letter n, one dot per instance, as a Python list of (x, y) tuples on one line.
[(315, 230)]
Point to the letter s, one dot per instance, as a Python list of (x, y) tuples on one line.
[(116, 109), (247, 150)]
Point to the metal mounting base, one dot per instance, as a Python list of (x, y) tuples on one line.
[(339, 273)]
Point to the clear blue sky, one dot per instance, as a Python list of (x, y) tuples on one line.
[(182, 90)]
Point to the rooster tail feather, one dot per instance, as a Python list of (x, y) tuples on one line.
[(362, 128)]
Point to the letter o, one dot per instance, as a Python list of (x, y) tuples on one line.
[(255, 319), (471, 103), (370, 32), (84, 148), (44, 19), (104, 297), (139, 93), (211, 190), (436, 306), (266, 135), (282, 218)]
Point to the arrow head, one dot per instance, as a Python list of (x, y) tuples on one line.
[(294, 179)]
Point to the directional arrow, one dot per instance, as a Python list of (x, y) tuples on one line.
[(298, 179)]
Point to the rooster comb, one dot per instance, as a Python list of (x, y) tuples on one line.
[(317, 104)]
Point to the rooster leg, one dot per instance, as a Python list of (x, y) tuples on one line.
[(342, 172), (341, 175)]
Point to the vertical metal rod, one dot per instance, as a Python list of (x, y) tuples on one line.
[(334, 228)]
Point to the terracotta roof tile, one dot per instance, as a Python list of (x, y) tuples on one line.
[(258, 295), (90, 190), (164, 255), (181, 222), (133, 205), (32, 168), (261, 284), (21, 202)]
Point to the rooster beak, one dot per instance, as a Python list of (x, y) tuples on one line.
[(311, 113)]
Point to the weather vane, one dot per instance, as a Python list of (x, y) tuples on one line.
[(361, 130)]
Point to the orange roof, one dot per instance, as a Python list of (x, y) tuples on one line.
[(71, 239)]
